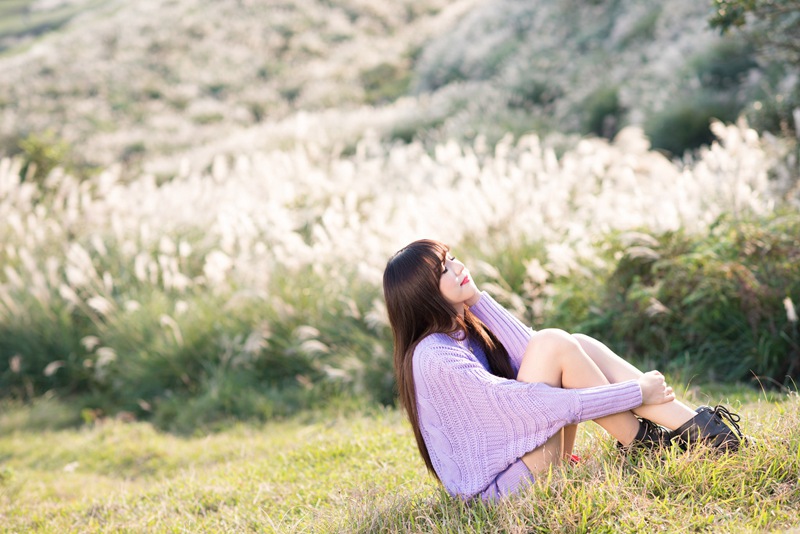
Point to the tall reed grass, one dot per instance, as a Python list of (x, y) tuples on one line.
[(253, 288)]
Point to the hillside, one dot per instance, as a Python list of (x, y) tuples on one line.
[(149, 83), (583, 67), (122, 80)]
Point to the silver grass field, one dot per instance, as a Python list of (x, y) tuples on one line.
[(198, 199)]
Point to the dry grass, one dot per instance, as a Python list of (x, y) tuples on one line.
[(360, 472)]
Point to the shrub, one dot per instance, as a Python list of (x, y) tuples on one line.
[(41, 154), (385, 83), (529, 94), (603, 113), (717, 304), (686, 125), (715, 90), (725, 65)]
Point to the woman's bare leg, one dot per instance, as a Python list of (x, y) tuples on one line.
[(541, 458), (671, 414), (570, 432), (555, 358)]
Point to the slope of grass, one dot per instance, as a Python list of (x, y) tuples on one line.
[(361, 472), (154, 78), (120, 85)]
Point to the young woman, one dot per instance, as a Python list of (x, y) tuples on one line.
[(492, 403)]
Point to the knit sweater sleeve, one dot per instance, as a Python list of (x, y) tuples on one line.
[(476, 424), (511, 332)]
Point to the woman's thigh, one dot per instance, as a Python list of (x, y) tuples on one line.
[(542, 361), (556, 358), (615, 368)]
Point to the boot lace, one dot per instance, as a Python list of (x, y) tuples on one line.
[(731, 418), (654, 433)]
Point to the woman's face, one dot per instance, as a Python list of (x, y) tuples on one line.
[(455, 283)]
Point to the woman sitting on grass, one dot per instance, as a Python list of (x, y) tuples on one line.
[(492, 403)]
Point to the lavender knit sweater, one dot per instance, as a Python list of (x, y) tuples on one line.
[(477, 426)]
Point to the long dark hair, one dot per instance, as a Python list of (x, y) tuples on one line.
[(416, 309)]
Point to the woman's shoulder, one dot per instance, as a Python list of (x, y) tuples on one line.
[(440, 350), (434, 354), (436, 345)]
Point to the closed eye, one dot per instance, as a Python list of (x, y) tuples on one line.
[(444, 265)]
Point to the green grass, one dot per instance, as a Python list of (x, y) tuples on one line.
[(359, 471)]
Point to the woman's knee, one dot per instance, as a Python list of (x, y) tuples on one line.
[(583, 338), (552, 339), (545, 356)]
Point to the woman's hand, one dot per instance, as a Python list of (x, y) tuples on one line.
[(655, 389)]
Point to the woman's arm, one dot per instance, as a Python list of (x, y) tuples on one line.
[(463, 380), (511, 332)]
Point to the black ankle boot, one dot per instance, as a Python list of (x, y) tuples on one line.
[(649, 436), (716, 426)]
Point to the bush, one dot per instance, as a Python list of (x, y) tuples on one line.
[(197, 360), (385, 83), (41, 154), (603, 113), (716, 89), (529, 94), (725, 65), (686, 125), (718, 304)]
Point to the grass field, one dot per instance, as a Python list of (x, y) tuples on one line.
[(359, 471)]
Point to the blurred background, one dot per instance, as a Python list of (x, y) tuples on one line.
[(197, 198)]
